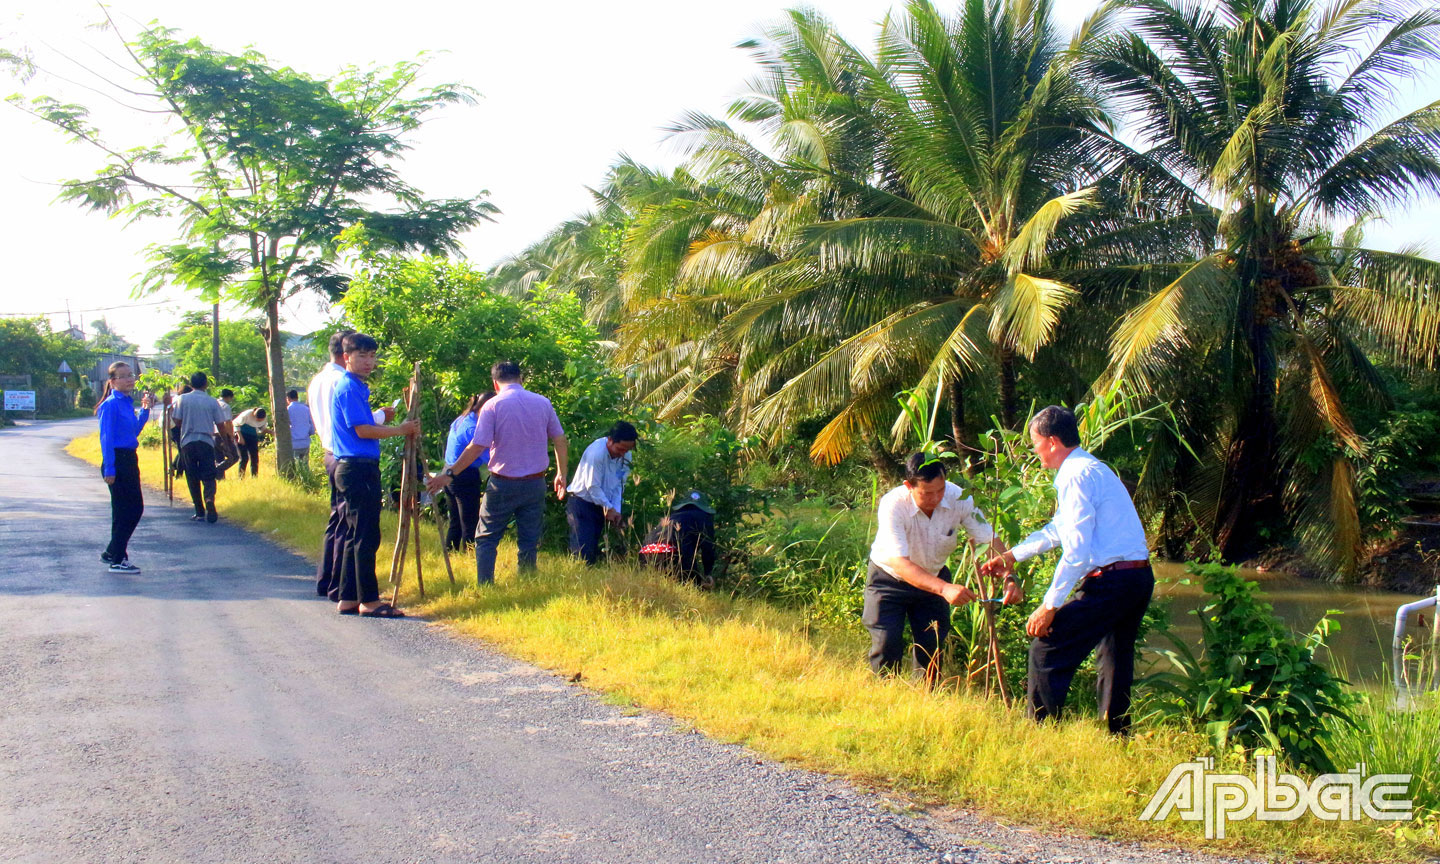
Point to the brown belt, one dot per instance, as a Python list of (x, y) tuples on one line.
[(526, 477), (1118, 565)]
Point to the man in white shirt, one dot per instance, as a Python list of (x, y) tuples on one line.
[(597, 490), (1105, 562), (919, 524), (320, 395), (301, 426)]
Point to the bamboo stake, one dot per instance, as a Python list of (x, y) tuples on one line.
[(408, 496), (415, 520), (165, 448)]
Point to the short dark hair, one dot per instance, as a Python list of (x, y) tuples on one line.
[(293, 395), (337, 342), (922, 468), (1052, 421), (259, 412), (360, 343), (622, 431), (505, 372), (227, 393), (199, 380), (186, 388)]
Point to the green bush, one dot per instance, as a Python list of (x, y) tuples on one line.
[(1256, 685)]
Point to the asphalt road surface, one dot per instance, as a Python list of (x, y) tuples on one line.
[(211, 709)]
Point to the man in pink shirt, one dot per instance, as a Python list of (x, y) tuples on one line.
[(518, 427)]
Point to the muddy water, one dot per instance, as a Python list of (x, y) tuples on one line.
[(1360, 650)]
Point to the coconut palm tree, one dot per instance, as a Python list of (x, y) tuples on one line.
[(989, 206), (1281, 114)]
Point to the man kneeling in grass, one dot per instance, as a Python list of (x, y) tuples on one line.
[(908, 579), (356, 439)]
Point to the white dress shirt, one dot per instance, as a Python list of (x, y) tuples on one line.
[(1095, 524), (319, 393), (600, 478), (904, 531)]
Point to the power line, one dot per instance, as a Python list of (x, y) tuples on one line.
[(94, 309)]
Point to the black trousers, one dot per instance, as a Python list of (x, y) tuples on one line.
[(127, 502), (200, 473), (359, 485), (1105, 613), (327, 571), (464, 503), (249, 455), (587, 525), (889, 603)]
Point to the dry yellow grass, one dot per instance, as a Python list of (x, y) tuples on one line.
[(753, 674)]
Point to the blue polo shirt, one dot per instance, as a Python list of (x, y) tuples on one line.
[(350, 407), (462, 432)]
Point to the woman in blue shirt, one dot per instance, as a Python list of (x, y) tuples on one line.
[(119, 464), (465, 488)]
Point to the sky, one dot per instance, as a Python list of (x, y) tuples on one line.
[(565, 87)]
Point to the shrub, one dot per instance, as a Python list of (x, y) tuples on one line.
[(1256, 685)]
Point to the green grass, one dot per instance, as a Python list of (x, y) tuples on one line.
[(751, 673)]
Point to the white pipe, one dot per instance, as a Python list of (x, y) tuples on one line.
[(1397, 645)]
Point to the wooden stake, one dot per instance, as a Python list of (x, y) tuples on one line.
[(165, 447), (409, 503)]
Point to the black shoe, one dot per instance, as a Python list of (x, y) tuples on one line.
[(124, 567), (210, 514), (198, 517), (106, 559)]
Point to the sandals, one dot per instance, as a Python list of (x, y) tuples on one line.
[(384, 610)]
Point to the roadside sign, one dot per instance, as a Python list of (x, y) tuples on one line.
[(19, 400)]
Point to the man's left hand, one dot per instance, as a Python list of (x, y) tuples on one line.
[(559, 488), (1013, 594), (1040, 620)]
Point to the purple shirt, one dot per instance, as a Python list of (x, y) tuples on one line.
[(517, 426)]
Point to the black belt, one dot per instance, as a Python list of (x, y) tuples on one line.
[(359, 460), (518, 479), (1118, 565)]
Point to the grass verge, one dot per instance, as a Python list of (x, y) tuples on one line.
[(754, 674)]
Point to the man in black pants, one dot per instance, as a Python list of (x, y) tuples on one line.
[(320, 395), (1106, 563), (918, 528), (356, 439), (201, 418)]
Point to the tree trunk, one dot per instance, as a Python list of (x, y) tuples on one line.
[(215, 342), (1009, 402), (275, 367), (957, 413), (1250, 498)]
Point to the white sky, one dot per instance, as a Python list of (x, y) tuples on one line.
[(566, 84)]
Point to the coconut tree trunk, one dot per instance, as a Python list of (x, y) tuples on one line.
[(275, 369), (1250, 499), (957, 413), (1009, 402)]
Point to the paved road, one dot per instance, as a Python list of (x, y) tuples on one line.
[(211, 709)]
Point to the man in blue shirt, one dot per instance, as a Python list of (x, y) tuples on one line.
[(464, 490), (595, 492), (356, 441)]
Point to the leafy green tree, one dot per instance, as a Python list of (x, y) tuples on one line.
[(279, 165), (29, 347), (241, 345), (1282, 115), (444, 315), (103, 339)]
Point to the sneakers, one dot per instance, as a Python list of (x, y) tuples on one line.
[(210, 514), (106, 559), (124, 567)]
